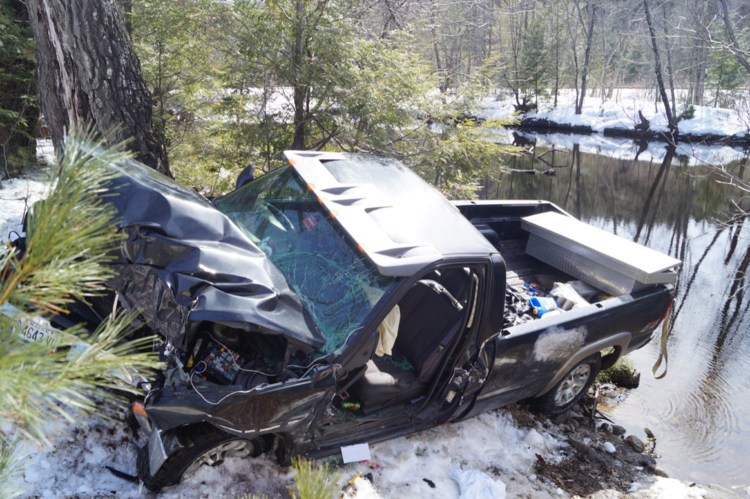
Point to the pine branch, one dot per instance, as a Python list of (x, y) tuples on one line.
[(70, 241)]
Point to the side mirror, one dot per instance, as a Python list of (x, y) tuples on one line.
[(246, 175)]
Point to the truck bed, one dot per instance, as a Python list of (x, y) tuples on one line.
[(500, 223), (521, 267), (522, 230), (532, 355)]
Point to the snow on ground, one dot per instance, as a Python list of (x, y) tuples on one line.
[(15, 196), (492, 443)]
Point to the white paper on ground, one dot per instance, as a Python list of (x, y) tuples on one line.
[(355, 453)]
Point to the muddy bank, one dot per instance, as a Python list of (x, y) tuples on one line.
[(603, 461)]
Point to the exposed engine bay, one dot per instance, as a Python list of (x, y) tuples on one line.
[(220, 355)]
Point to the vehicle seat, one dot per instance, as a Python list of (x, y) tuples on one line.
[(431, 318)]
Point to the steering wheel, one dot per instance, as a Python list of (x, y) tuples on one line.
[(278, 218)]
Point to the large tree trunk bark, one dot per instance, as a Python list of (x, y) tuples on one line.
[(88, 73)]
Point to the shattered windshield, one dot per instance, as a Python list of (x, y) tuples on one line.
[(336, 284)]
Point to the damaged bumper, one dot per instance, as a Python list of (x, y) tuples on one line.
[(152, 455)]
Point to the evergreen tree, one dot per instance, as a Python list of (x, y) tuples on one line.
[(18, 103), (286, 74), (535, 64), (725, 73)]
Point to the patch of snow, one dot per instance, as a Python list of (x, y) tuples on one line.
[(635, 486), (490, 443), (16, 195), (534, 439), (609, 447), (669, 487), (494, 108), (715, 121), (477, 485)]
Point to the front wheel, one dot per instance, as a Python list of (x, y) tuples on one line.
[(204, 446), (571, 387)]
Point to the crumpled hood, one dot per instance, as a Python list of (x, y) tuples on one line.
[(183, 260)]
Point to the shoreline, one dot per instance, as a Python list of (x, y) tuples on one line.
[(532, 124)]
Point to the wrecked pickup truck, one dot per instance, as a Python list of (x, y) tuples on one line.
[(342, 300)]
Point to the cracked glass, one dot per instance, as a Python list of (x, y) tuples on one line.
[(337, 285)]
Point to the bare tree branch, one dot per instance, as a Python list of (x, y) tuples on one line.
[(733, 45)]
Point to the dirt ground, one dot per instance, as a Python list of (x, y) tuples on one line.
[(602, 456), (603, 461)]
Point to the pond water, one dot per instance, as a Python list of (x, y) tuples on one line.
[(679, 204)]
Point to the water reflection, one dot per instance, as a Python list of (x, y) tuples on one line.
[(700, 412), (663, 172)]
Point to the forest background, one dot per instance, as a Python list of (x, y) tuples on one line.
[(236, 83)]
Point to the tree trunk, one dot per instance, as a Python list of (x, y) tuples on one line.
[(300, 90), (734, 45), (573, 32), (700, 18), (586, 56), (670, 71), (87, 72), (557, 59), (438, 65), (659, 79)]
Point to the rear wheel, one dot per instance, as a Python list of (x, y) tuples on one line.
[(570, 388), (205, 446)]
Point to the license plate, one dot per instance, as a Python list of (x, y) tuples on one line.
[(35, 330), (39, 332)]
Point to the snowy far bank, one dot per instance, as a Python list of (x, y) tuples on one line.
[(622, 113)]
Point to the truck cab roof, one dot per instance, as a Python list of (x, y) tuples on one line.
[(399, 221)]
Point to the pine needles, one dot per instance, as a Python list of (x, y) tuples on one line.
[(70, 240), (70, 233)]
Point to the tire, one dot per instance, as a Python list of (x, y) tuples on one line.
[(203, 446), (571, 387)]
